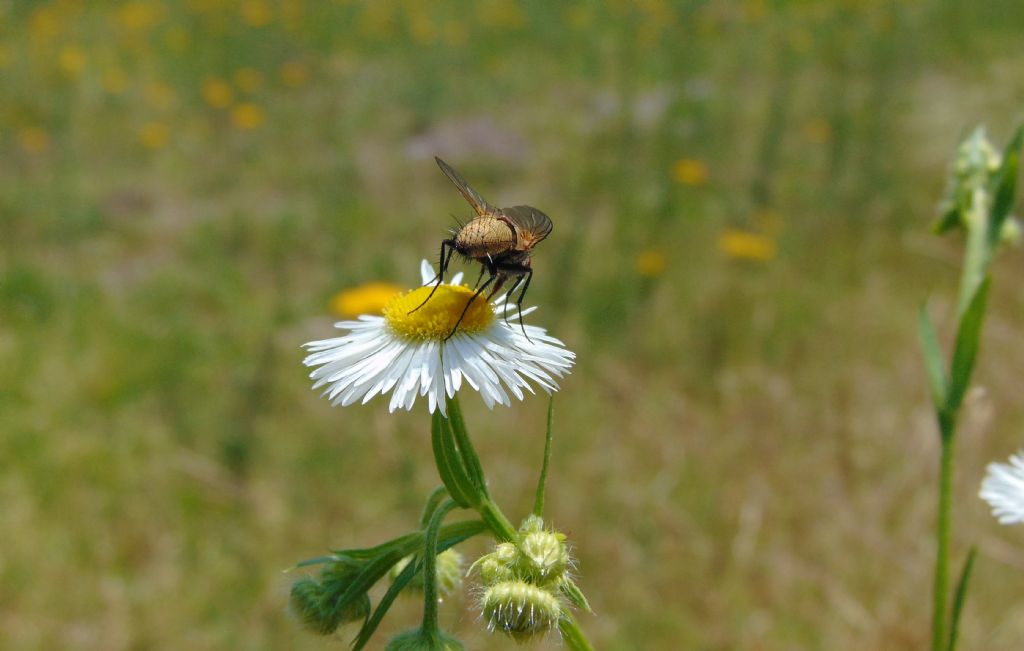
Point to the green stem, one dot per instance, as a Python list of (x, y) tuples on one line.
[(430, 567), (572, 634), (959, 598), (947, 428), (977, 254), (500, 526), (538, 504), (496, 521)]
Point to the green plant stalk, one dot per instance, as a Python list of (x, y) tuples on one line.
[(430, 568), (947, 429), (977, 254), (538, 503), (501, 527), (959, 598)]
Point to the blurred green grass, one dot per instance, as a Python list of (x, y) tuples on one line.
[(743, 454)]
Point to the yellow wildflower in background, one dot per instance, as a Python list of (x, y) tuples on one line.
[(650, 263), (256, 13), (178, 38), (138, 16), (5, 55), (768, 221), (455, 33), (498, 13), (248, 80), (247, 116), (160, 95), (294, 74), (368, 298), (154, 135), (114, 81), (33, 139), (217, 93), (818, 131), (690, 172), (746, 245), (72, 60)]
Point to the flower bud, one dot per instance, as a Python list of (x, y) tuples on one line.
[(542, 556), (449, 573), (520, 610), (317, 605), (419, 640), (1009, 232)]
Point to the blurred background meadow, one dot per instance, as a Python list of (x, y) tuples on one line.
[(742, 194)]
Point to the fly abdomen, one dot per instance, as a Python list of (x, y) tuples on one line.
[(485, 236)]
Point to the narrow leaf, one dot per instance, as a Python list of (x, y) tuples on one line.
[(449, 463), (968, 339), (1005, 183), (575, 595), (959, 598), (371, 624), (932, 357), (572, 635), (538, 502), (448, 537), (319, 560), (468, 454), (376, 568), (433, 500)]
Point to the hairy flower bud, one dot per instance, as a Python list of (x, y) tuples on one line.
[(543, 556), (419, 640), (449, 572), (317, 604), (520, 610)]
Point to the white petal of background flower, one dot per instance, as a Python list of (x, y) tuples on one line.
[(1003, 489), (371, 359)]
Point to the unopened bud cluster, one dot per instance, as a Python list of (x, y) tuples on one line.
[(523, 582), (449, 573), (976, 165), (318, 601), (420, 640)]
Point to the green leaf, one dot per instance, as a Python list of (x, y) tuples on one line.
[(448, 537), (575, 595), (1005, 187), (433, 500), (572, 635), (932, 358), (449, 464), (319, 560), (391, 552), (468, 454), (538, 501), (372, 622), (367, 553), (959, 598), (947, 221), (968, 339)]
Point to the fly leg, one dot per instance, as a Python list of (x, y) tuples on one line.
[(470, 302), (519, 303), (524, 274), (483, 267), (442, 268)]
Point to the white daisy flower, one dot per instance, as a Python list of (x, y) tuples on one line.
[(408, 355), (1003, 489)]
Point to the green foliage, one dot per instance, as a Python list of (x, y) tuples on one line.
[(159, 261)]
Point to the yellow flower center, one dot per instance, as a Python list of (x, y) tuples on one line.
[(436, 318)]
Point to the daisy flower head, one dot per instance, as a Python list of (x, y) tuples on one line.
[(409, 353), (1003, 489)]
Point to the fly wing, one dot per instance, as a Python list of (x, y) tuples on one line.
[(479, 204), (531, 225)]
